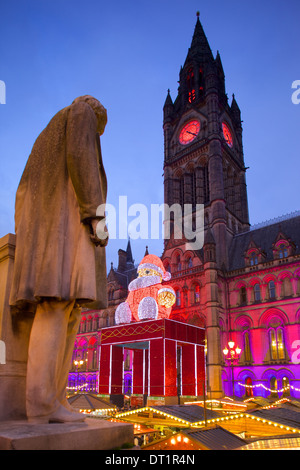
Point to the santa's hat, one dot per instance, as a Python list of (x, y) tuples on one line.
[(155, 263)]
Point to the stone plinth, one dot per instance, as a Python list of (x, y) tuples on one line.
[(92, 434), (14, 337)]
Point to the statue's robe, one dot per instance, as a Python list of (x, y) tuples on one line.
[(62, 185)]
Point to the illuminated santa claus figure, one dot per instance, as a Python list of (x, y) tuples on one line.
[(148, 299)]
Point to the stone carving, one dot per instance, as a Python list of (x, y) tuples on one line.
[(59, 260)]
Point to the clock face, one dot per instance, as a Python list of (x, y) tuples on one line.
[(227, 134), (189, 132)]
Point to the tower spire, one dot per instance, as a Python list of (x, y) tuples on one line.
[(200, 47)]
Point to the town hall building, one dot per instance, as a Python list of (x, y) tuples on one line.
[(243, 285)]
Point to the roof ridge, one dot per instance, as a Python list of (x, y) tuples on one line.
[(275, 220)]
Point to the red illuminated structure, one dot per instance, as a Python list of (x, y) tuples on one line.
[(168, 361)]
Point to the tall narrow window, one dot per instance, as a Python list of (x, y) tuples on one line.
[(243, 295), (271, 286), (191, 85), (273, 344), (273, 387), (257, 296), (286, 387), (277, 344), (253, 259), (280, 344), (249, 387), (201, 82), (247, 351), (95, 358), (178, 298), (196, 291)]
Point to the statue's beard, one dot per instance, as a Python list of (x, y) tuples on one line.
[(144, 281)]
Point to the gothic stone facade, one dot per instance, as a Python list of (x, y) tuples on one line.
[(244, 283)]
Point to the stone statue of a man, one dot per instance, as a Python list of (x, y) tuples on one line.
[(59, 259)]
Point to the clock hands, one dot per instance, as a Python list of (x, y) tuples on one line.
[(189, 132)]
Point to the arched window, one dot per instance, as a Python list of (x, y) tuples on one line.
[(286, 387), (178, 263), (249, 387), (243, 295), (277, 347), (89, 324), (111, 294), (178, 298), (253, 259), (247, 350), (190, 79), (83, 326), (273, 387), (128, 384), (282, 251), (280, 343), (257, 296), (286, 287), (196, 294), (168, 268), (271, 287), (273, 344)]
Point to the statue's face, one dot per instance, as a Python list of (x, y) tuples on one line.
[(101, 115)]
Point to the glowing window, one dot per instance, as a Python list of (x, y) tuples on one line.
[(277, 344)]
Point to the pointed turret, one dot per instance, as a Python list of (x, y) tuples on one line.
[(236, 112), (200, 48), (129, 257), (168, 107)]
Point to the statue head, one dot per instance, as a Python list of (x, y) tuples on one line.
[(98, 109)]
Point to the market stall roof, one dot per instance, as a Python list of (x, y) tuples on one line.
[(261, 422), (281, 415), (173, 415), (88, 401), (290, 442), (215, 438), (212, 438)]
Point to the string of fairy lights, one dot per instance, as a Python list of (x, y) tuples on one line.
[(272, 390)]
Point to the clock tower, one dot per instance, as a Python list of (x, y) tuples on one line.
[(203, 149)]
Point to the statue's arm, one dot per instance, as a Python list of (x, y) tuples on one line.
[(82, 159)]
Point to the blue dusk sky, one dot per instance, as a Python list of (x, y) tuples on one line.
[(127, 54)]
